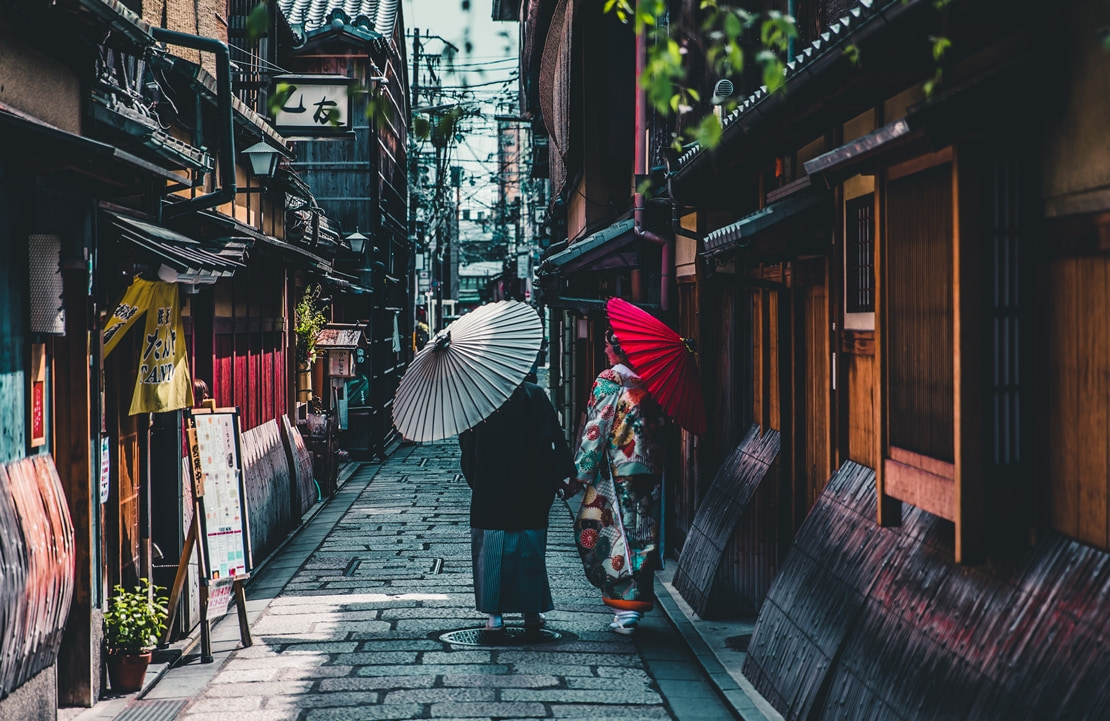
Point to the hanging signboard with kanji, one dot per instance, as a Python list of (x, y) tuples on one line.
[(312, 105)]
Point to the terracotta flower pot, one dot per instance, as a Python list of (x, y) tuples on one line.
[(126, 671)]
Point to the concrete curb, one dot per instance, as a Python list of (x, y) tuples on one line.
[(706, 641)]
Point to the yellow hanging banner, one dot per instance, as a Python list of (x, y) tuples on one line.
[(163, 383), (134, 303)]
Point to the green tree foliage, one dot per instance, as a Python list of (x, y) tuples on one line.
[(665, 73), (309, 320)]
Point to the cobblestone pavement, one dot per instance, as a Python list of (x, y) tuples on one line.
[(349, 628)]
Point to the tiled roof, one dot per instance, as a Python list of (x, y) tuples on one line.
[(832, 40), (376, 16)]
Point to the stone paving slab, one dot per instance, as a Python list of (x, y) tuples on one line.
[(353, 632)]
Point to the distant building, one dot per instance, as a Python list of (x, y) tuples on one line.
[(474, 283)]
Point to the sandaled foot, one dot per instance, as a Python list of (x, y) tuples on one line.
[(625, 622)]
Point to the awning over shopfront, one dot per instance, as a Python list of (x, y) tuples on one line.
[(780, 230), (603, 249), (48, 149), (888, 144), (189, 261)]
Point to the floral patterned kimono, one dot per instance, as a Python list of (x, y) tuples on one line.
[(620, 463)]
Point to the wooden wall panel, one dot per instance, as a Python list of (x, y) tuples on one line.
[(1093, 353), (1076, 420), (1063, 452), (859, 375), (816, 454), (759, 347), (773, 359)]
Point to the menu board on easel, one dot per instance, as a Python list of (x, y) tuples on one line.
[(218, 487)]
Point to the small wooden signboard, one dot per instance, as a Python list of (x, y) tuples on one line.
[(219, 521)]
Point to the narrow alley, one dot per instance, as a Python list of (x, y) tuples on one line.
[(347, 620)]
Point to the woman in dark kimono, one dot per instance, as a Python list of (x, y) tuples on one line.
[(514, 462)]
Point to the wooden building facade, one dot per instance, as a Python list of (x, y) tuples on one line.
[(124, 126), (877, 278), (360, 180)]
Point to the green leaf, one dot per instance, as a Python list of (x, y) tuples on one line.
[(852, 52), (931, 85), (733, 26), (940, 44), (773, 76), (708, 131), (258, 22), (278, 99), (421, 127)]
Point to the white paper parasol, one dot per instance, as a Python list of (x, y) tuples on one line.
[(467, 371)]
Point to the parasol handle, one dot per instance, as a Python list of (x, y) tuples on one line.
[(691, 345)]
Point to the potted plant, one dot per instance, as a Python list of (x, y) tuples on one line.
[(133, 624), (308, 321)]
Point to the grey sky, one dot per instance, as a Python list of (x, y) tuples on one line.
[(483, 75)]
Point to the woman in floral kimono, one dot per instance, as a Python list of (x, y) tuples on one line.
[(620, 462)]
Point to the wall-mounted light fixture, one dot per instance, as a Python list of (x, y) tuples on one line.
[(263, 159), (357, 241)]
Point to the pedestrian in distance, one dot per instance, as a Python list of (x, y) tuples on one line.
[(620, 463), (514, 462)]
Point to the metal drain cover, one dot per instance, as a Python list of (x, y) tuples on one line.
[(159, 710), (511, 636)]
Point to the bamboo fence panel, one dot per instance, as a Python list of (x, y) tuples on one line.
[(37, 564)]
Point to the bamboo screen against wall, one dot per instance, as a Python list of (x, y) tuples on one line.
[(918, 321)]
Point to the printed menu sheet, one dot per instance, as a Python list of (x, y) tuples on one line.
[(218, 455)]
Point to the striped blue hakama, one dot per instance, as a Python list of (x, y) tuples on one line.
[(510, 571)]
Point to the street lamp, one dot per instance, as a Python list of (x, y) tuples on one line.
[(263, 158), (357, 241)]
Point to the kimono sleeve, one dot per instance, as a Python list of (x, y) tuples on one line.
[(593, 450), (468, 445)]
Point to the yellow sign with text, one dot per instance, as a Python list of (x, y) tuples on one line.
[(163, 383), (131, 307)]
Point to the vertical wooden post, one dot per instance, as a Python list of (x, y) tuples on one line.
[(968, 368), (79, 658), (889, 509), (179, 578), (241, 608)]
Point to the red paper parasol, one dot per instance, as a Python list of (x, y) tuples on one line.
[(664, 359)]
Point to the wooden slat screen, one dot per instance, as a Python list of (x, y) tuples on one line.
[(1007, 311), (859, 254), (918, 318)]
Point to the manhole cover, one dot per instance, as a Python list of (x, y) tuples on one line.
[(511, 636)]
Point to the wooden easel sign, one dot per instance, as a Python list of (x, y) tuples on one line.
[(219, 520)]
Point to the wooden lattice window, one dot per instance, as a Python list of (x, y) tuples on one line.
[(859, 254), (918, 314)]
